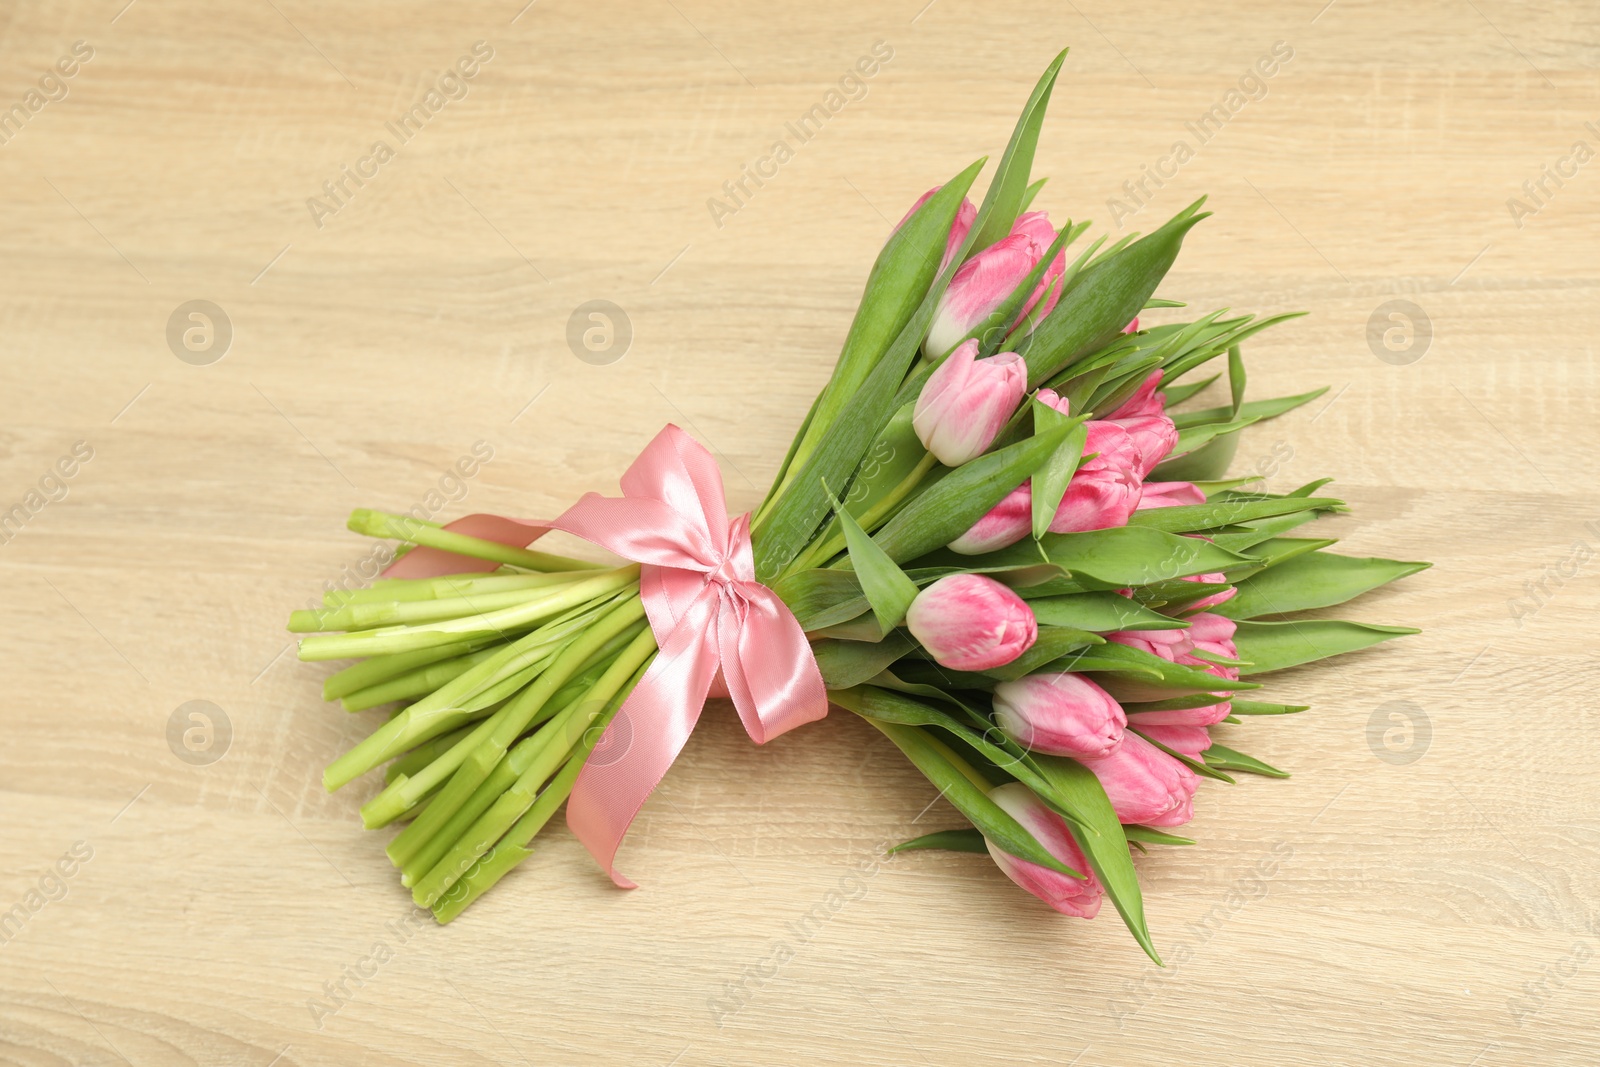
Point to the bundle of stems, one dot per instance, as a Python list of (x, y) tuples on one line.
[(513, 676)]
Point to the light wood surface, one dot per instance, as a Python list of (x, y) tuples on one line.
[(1366, 911)]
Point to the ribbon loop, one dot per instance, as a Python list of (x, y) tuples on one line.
[(711, 619)]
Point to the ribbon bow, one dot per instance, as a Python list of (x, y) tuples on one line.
[(711, 619)]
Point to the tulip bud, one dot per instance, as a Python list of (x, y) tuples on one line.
[(1170, 645), (1068, 895), (1098, 498), (1152, 435), (1006, 523), (1169, 495), (966, 215), (1189, 740), (1213, 635), (971, 623), (1145, 400), (1205, 579), (966, 401), (1060, 715), (1206, 716), (1145, 785), (1104, 490), (985, 281)]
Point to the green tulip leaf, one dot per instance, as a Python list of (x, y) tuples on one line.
[(1151, 836), (886, 586), (1236, 380), (1224, 758), (1197, 766), (1313, 580), (969, 840), (799, 505), (1075, 789), (1258, 409), (949, 507), (1190, 518), (1177, 394), (1262, 707), (1274, 646), (1210, 460), (847, 663), (933, 760), (1105, 296), (1134, 666), (1003, 202), (1100, 612), (1053, 643), (1050, 481)]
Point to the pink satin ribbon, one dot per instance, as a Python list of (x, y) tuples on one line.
[(712, 622)]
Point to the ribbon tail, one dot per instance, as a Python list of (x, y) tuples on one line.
[(649, 731), (771, 673)]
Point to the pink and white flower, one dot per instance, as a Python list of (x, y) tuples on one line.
[(971, 623)]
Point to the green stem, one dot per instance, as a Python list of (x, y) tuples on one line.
[(370, 672), (370, 615), (404, 528), (512, 849), (515, 801), (830, 546), (409, 638), (422, 831), (450, 585), (403, 791), (493, 748), (419, 682), (425, 753)]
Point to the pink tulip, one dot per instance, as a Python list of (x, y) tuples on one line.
[(1059, 714), (1006, 523), (1145, 400), (1214, 634), (966, 215), (1143, 415), (1145, 785), (1170, 645), (985, 281), (1169, 495), (1103, 493), (1209, 715), (1068, 895), (1055, 400), (1098, 498), (971, 623), (1209, 579), (966, 401), (1132, 327), (1104, 490), (1189, 740)]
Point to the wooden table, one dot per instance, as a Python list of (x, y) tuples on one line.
[(1424, 890)]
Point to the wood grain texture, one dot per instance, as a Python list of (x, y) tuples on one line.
[(1441, 911)]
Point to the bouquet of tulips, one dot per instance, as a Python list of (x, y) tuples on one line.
[(996, 537)]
